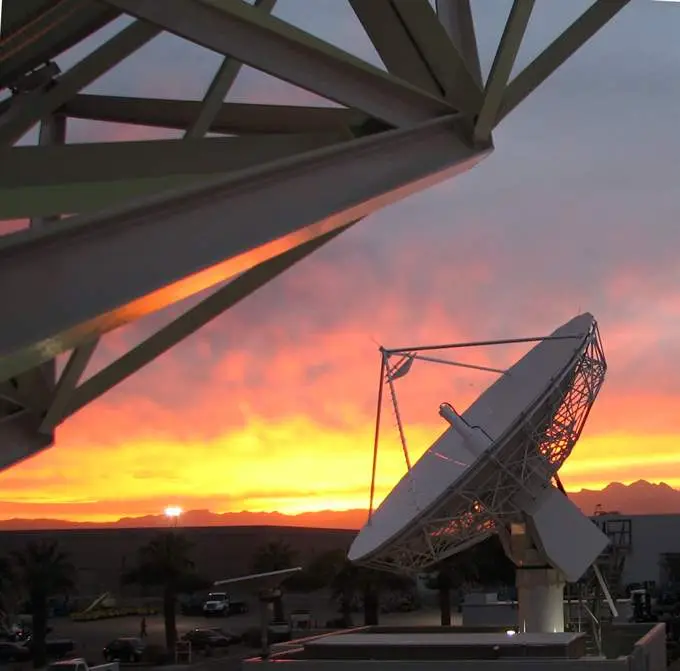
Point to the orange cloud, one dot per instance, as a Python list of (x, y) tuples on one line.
[(272, 405), (264, 413)]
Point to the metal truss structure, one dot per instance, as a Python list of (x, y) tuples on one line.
[(119, 230), (490, 496)]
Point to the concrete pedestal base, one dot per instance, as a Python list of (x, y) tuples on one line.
[(540, 593)]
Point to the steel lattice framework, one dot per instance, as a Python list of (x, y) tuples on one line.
[(280, 182), (491, 495)]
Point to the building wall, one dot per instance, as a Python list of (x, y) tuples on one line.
[(651, 537)]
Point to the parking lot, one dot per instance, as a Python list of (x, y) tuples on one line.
[(91, 637)]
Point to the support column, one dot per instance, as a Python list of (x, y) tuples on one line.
[(52, 132), (540, 593), (266, 598)]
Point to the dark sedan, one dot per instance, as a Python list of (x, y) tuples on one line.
[(124, 650)]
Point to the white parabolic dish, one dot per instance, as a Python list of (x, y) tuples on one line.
[(519, 432)]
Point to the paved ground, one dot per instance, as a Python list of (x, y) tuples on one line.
[(91, 637)]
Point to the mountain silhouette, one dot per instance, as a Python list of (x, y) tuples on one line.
[(638, 498)]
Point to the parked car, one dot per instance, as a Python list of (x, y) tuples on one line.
[(13, 652), (201, 639), (56, 648), (124, 650)]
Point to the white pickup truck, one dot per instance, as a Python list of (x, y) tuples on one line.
[(79, 664), (220, 604)]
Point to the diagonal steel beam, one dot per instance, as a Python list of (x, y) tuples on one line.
[(446, 61), (191, 321), (231, 119), (232, 27), (395, 44), (557, 53), (501, 69), (456, 17), (27, 44), (63, 393), (79, 178), (90, 275), (212, 102), (224, 79), (81, 356), (414, 45), (28, 109)]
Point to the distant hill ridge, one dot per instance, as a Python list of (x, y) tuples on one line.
[(641, 497)]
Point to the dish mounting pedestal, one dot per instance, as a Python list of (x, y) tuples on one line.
[(540, 593)]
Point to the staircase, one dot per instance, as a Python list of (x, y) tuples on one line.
[(586, 609), (612, 561), (582, 616)]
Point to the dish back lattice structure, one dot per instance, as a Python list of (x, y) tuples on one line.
[(519, 451)]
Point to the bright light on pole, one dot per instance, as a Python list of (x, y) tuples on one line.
[(0, 17), (173, 513)]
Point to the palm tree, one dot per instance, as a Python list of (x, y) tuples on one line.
[(370, 583), (165, 561), (451, 574), (344, 584), (44, 571), (274, 556), (318, 573), (484, 564)]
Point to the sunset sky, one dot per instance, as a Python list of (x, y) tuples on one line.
[(272, 406)]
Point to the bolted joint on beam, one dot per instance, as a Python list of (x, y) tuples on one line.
[(20, 438), (371, 126), (465, 132), (40, 78)]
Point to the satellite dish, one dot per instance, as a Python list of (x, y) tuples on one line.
[(491, 471)]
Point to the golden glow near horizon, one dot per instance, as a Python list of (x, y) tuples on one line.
[(286, 424), (311, 468)]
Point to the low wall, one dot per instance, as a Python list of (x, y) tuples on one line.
[(500, 614), (621, 639), (649, 653), (519, 664), (505, 613), (628, 647)]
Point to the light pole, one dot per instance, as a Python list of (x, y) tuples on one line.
[(173, 513)]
